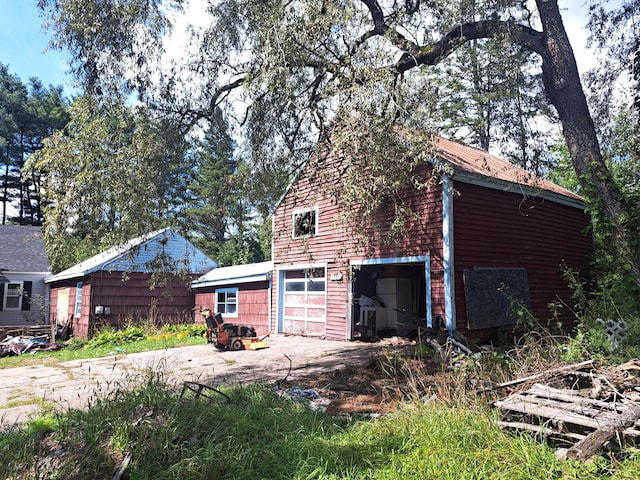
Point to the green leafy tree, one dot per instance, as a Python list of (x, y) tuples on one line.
[(610, 291), (488, 95), (623, 156), (12, 97), (298, 66), (614, 87), (112, 174)]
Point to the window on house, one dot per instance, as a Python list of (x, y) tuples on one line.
[(78, 308), (13, 296), (227, 301), (305, 223)]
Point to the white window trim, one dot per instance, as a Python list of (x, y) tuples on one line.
[(77, 306), (6, 295), (293, 222), (227, 290)]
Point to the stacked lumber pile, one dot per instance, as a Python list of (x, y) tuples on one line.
[(580, 405), (27, 331)]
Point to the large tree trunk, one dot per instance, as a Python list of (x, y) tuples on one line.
[(564, 89), (563, 86)]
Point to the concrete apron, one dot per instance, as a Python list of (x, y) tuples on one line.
[(79, 383)]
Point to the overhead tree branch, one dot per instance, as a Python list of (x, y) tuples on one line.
[(564, 90), (381, 28), (223, 90), (522, 35)]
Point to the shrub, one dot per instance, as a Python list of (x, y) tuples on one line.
[(110, 336), (190, 329), (608, 318)]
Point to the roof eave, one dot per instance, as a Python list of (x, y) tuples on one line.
[(532, 191), (68, 276), (230, 281)]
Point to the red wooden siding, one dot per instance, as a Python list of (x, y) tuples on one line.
[(80, 325), (130, 300), (491, 228), (253, 305), (500, 229), (337, 244), (423, 236), (331, 247)]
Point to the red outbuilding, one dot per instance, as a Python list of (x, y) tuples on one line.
[(484, 241), (241, 293), (146, 278)]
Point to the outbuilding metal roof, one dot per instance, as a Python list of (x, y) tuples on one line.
[(474, 165), (139, 254), (253, 272)]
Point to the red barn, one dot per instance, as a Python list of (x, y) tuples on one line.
[(483, 241)]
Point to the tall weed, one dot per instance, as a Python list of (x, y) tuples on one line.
[(608, 318), (260, 435)]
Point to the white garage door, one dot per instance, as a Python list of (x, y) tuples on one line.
[(305, 299)]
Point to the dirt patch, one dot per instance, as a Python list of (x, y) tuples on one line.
[(376, 387)]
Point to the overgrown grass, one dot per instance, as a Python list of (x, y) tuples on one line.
[(108, 341), (259, 435), (442, 430)]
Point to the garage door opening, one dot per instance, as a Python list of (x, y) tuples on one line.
[(390, 297)]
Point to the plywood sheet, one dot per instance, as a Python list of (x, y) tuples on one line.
[(493, 295)]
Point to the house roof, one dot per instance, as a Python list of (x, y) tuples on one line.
[(253, 272), (142, 254), (22, 249), (470, 162)]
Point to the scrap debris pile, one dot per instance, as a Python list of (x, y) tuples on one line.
[(579, 406), (22, 344), (304, 395)]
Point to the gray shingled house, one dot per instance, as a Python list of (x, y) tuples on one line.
[(23, 267)]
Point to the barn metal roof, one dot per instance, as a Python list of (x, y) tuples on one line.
[(22, 249), (474, 165), (139, 255), (253, 272), (477, 163)]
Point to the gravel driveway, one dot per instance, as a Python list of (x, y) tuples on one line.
[(76, 383)]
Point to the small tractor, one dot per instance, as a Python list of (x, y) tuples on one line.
[(228, 336)]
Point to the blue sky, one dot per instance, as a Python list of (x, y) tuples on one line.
[(23, 42)]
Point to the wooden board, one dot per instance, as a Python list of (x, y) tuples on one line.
[(564, 412), (27, 331)]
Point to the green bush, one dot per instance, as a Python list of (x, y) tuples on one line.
[(110, 336), (191, 329), (135, 332), (609, 299)]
